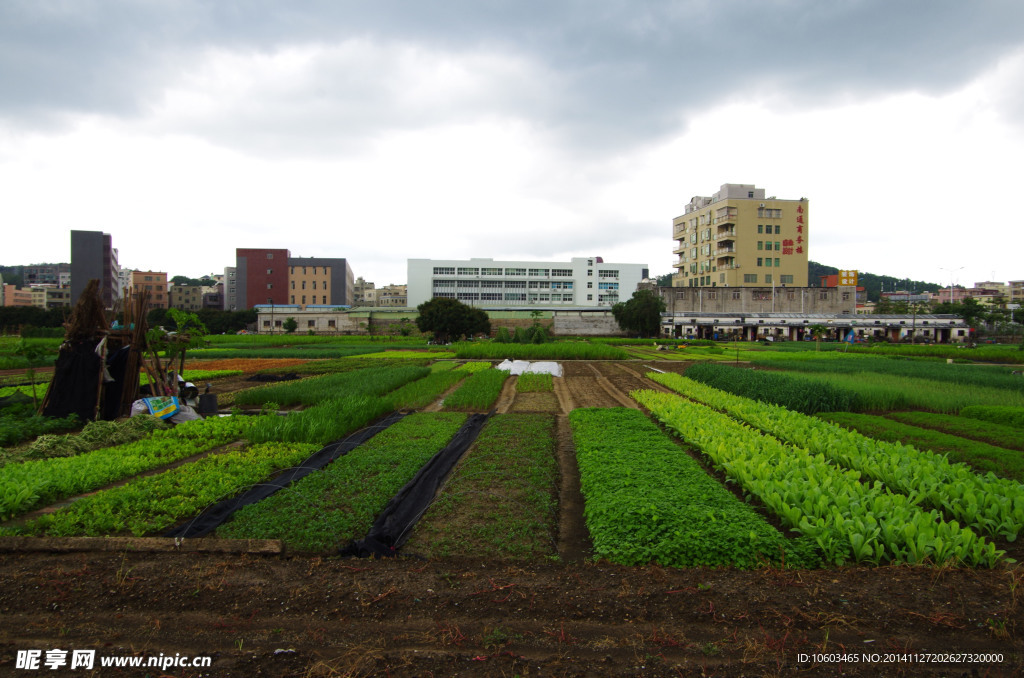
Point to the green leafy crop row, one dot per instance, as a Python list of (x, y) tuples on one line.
[(648, 501), (155, 503), (987, 503), (849, 520), (36, 483)]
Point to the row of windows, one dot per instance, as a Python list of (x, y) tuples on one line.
[(312, 299), (508, 284), (323, 284), (514, 296), (768, 262), (767, 229), (304, 270), (540, 272)]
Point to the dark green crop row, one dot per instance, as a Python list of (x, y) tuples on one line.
[(559, 350), (327, 509), (648, 501), (965, 427), (800, 395), (979, 455), (997, 414), (949, 374), (371, 381), (501, 499)]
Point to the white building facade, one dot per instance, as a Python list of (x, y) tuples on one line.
[(583, 282)]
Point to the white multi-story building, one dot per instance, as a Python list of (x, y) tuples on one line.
[(583, 282)]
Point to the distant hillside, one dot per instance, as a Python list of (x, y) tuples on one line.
[(873, 284)]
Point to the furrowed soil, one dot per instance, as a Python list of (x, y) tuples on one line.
[(294, 615)]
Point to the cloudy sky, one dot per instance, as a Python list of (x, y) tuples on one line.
[(380, 131)]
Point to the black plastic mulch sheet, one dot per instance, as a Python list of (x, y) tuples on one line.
[(394, 524), (214, 515), (75, 383)]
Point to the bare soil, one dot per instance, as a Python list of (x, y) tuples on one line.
[(287, 615)]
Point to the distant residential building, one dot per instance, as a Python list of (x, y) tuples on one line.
[(832, 280), (956, 295), (93, 257), (586, 282), (186, 297), (739, 238), (261, 277), (230, 291), (46, 274), (213, 296), (17, 296), (124, 281), (320, 281), (50, 296), (1015, 291), (393, 296), (156, 283), (364, 293)]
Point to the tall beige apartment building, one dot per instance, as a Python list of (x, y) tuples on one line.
[(738, 237)]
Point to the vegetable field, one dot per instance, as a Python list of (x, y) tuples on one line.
[(660, 515)]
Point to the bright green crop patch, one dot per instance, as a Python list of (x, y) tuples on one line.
[(339, 503), (156, 503), (325, 422), (980, 456), (501, 499), (479, 392), (986, 503), (530, 383), (648, 501), (422, 392), (850, 520), (477, 366), (30, 484)]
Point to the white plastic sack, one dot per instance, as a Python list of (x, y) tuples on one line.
[(516, 367)]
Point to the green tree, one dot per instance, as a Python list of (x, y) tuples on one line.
[(290, 325), (641, 314), (450, 320), (972, 312), (817, 331)]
